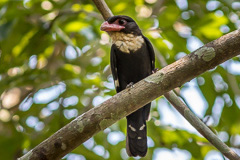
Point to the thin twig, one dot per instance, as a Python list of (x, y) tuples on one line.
[(200, 126), (103, 8)]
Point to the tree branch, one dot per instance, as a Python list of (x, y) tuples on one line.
[(103, 8), (200, 126), (145, 91)]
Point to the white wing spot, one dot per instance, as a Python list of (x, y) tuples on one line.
[(142, 127), (149, 117), (132, 128), (139, 137), (116, 83)]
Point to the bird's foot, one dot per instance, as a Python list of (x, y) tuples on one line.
[(130, 85), (155, 70)]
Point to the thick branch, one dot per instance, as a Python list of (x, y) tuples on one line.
[(129, 100)]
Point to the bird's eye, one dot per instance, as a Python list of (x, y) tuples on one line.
[(122, 21)]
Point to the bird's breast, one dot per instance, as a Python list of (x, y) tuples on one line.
[(134, 66), (127, 42)]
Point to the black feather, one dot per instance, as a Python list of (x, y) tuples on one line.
[(133, 67)]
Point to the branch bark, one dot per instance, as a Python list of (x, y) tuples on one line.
[(103, 8), (129, 100), (200, 126)]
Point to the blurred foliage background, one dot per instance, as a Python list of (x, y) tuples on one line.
[(54, 65)]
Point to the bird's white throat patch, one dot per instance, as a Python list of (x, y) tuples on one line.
[(126, 42)]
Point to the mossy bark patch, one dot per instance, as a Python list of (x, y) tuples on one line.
[(206, 53), (155, 78), (80, 126), (106, 123), (64, 146)]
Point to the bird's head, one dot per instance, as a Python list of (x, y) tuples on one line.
[(121, 23)]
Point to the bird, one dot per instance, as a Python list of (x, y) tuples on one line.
[(132, 59)]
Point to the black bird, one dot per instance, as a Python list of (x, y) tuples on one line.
[(132, 59)]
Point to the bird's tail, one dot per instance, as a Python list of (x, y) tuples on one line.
[(136, 143)]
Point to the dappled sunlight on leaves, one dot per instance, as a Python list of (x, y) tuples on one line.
[(54, 66)]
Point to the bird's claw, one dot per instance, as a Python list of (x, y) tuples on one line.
[(130, 85), (155, 70)]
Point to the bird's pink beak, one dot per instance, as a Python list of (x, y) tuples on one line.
[(111, 27)]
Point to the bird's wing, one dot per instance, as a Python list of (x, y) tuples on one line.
[(113, 62), (151, 52), (152, 59)]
